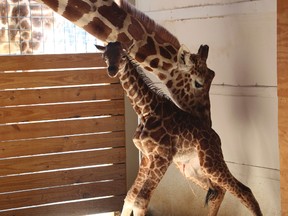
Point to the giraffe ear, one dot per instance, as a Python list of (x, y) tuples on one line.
[(183, 57), (100, 48)]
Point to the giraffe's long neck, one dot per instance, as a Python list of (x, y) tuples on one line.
[(145, 99), (109, 22), (154, 48)]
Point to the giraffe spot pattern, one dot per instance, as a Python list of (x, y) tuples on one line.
[(53, 4), (99, 28), (171, 49), (180, 84), (25, 24), (37, 35), (4, 8), (37, 22), (116, 15), (75, 9), (20, 11), (123, 38), (24, 45), (162, 76), (136, 30), (147, 50), (154, 63), (148, 68), (169, 83), (165, 140), (166, 66), (25, 35), (164, 53)]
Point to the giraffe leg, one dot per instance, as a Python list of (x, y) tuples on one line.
[(215, 195), (152, 170), (214, 199), (129, 200), (245, 195), (213, 165), (133, 192)]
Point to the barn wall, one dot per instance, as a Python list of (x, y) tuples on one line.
[(242, 40), (62, 136)]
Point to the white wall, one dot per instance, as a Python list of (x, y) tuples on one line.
[(242, 40)]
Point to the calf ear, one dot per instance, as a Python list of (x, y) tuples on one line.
[(183, 57), (100, 48)]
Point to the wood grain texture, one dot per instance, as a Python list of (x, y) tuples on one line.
[(56, 95), (61, 161), (282, 64), (61, 128), (11, 63), (62, 178), (73, 209), (53, 149), (54, 78), (282, 48), (60, 194), (60, 111), (283, 144), (61, 144)]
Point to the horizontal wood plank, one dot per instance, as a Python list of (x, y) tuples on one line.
[(56, 95), (62, 178), (61, 128), (60, 111), (60, 194), (72, 209), (61, 144), (11, 63), (61, 161), (54, 78), (53, 149)]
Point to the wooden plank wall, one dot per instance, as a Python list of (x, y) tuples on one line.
[(61, 136), (282, 51)]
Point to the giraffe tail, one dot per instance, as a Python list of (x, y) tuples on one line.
[(211, 194)]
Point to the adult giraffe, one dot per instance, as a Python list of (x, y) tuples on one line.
[(155, 49)]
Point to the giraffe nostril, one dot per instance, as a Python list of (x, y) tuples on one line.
[(112, 70)]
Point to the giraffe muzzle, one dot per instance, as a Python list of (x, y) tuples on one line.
[(112, 70)]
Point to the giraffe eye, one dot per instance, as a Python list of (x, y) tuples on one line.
[(198, 85)]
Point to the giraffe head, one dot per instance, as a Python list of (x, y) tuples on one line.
[(194, 66), (114, 55), (191, 79)]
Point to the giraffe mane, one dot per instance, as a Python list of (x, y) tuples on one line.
[(151, 85), (150, 24)]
